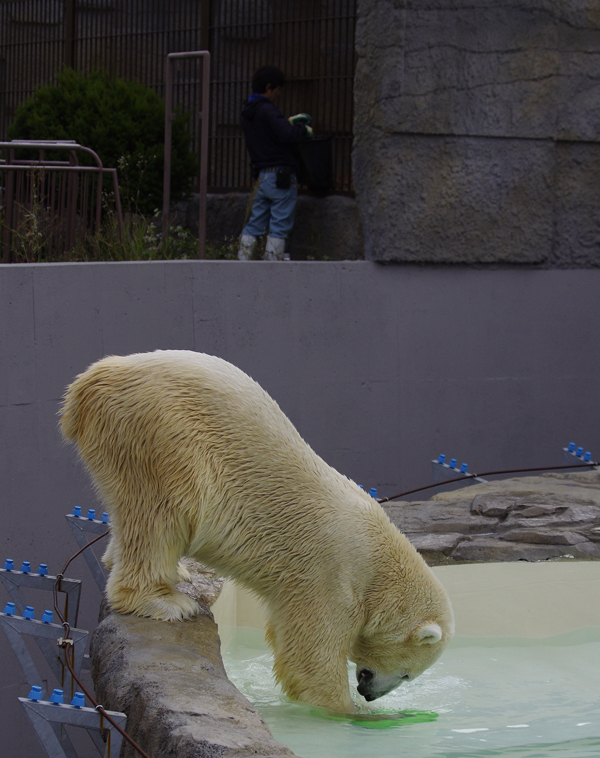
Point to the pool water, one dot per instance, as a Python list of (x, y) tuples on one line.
[(508, 697)]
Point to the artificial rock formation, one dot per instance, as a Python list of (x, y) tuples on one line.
[(530, 518), (477, 132), (170, 681)]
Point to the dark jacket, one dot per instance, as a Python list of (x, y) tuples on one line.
[(269, 135)]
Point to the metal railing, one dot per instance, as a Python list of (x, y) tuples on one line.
[(46, 204)]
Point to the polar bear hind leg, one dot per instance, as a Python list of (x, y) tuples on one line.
[(145, 569), (109, 560)]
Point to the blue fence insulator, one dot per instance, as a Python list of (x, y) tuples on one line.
[(442, 458), (29, 612), (77, 510), (587, 457), (57, 697), (463, 468), (9, 564), (47, 617), (571, 447), (579, 452), (10, 609), (373, 492), (452, 463), (35, 693), (78, 700), (26, 567), (105, 518), (91, 514), (43, 569)]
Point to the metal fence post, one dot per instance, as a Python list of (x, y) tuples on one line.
[(69, 33), (79, 526), (169, 116), (46, 716)]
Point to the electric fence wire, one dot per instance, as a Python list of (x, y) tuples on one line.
[(591, 464), (66, 642)]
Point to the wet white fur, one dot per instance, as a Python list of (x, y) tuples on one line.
[(191, 457)]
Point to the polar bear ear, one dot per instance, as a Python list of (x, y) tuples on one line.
[(428, 634)]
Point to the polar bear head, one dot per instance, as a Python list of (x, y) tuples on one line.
[(407, 623), (384, 660)]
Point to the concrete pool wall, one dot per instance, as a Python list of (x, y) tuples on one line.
[(489, 599), (381, 368)]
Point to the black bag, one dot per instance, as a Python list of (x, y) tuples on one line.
[(284, 177), (316, 168)]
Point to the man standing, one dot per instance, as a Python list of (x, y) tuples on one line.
[(269, 138)]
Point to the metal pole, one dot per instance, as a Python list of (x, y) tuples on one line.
[(8, 213), (203, 155), (43, 715), (168, 131), (169, 116), (69, 32), (79, 525), (113, 171)]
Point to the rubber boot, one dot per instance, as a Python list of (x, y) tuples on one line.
[(247, 244), (275, 249)]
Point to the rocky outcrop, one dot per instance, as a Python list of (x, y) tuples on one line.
[(170, 681), (530, 518)]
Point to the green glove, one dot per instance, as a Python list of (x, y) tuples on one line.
[(300, 119)]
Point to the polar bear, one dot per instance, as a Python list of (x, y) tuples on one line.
[(192, 457)]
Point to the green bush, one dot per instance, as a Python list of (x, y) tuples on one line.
[(122, 121)]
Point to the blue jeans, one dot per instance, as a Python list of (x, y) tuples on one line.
[(273, 208)]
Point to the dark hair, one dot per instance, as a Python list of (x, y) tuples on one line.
[(267, 75)]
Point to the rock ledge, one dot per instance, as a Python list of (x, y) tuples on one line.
[(534, 518), (170, 681)]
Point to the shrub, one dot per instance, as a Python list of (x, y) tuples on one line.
[(122, 121)]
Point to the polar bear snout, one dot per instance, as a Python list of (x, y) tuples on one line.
[(372, 685)]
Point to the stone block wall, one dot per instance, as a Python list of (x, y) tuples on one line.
[(325, 228), (477, 132)]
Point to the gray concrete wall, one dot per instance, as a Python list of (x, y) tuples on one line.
[(381, 368), (477, 131)]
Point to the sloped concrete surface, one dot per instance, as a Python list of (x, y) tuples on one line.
[(170, 681), (536, 518)]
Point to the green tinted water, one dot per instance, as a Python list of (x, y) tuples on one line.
[(504, 697)]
